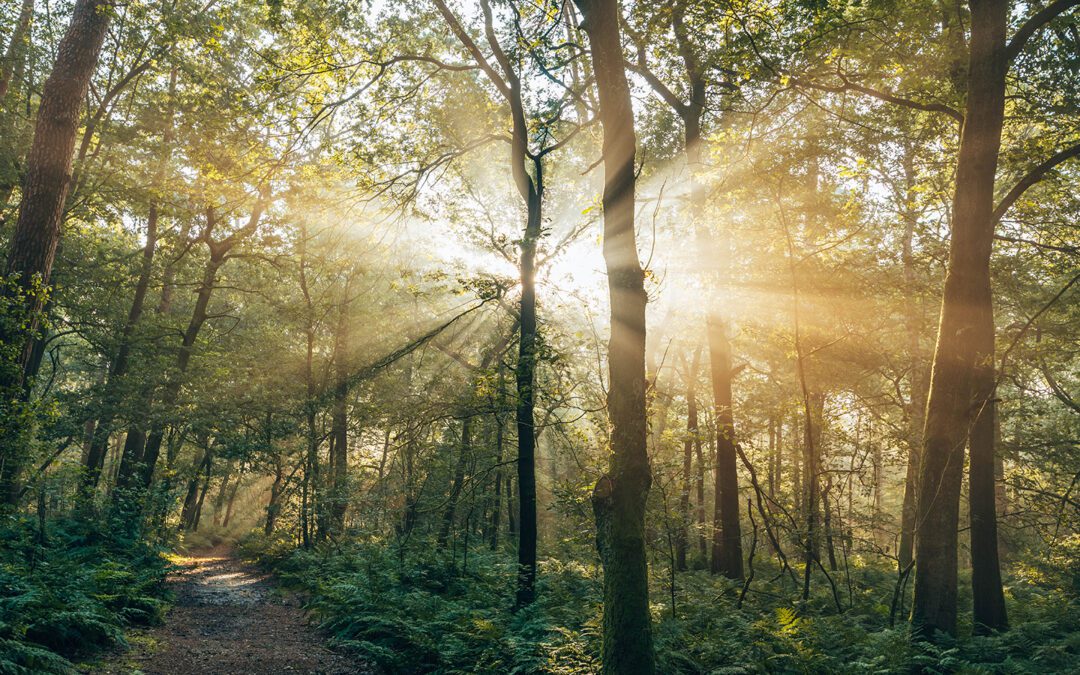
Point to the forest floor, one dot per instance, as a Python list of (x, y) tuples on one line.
[(228, 618)]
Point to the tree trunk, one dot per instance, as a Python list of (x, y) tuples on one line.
[(223, 490), (813, 408), (15, 54), (682, 543), (964, 352), (231, 501), (827, 522), (37, 229), (986, 590), (457, 483), (619, 497), (202, 499), (143, 475), (191, 498), (118, 369), (496, 498), (525, 377), (273, 507), (727, 532), (137, 470), (727, 556), (339, 426), (511, 509), (703, 543), (919, 380)]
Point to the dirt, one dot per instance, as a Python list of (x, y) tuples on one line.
[(229, 618)]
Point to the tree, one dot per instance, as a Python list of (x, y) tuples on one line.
[(620, 495), (37, 230)]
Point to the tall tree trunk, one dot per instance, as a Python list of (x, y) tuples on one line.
[(774, 458), (496, 497), (797, 467), (191, 498), (919, 380), (37, 229), (137, 470), (219, 254), (813, 408), (703, 542), (827, 522), (202, 499), (457, 482), (339, 424), (16, 49), (960, 390), (273, 507), (223, 491), (619, 497), (231, 500), (986, 590), (531, 191), (682, 543), (727, 556), (525, 377), (118, 369)]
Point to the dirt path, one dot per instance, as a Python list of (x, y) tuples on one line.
[(228, 619)]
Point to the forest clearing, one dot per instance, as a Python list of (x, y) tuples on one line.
[(539, 336)]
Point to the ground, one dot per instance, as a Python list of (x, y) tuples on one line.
[(229, 618)]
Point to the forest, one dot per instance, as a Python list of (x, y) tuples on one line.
[(539, 336)]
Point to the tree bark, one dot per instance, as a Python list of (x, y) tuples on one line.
[(619, 497), (727, 556), (16, 49), (525, 378), (339, 424), (958, 385), (682, 543), (37, 229), (231, 500), (191, 499), (458, 480), (919, 381), (496, 497), (273, 507)]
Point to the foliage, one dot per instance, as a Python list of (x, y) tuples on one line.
[(421, 612), (69, 591)]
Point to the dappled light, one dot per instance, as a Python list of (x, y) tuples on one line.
[(546, 336)]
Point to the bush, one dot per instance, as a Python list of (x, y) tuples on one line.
[(421, 613), (72, 595)]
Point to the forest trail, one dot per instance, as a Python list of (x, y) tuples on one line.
[(228, 619)]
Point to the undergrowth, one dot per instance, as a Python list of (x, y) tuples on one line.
[(69, 591), (424, 612)]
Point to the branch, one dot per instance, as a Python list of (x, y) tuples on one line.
[(1033, 24), (1033, 176), (469, 44), (1073, 250), (641, 67), (1027, 325), (882, 95), (1060, 393)]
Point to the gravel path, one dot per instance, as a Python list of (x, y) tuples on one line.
[(228, 619)]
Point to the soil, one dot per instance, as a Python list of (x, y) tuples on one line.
[(229, 618)]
